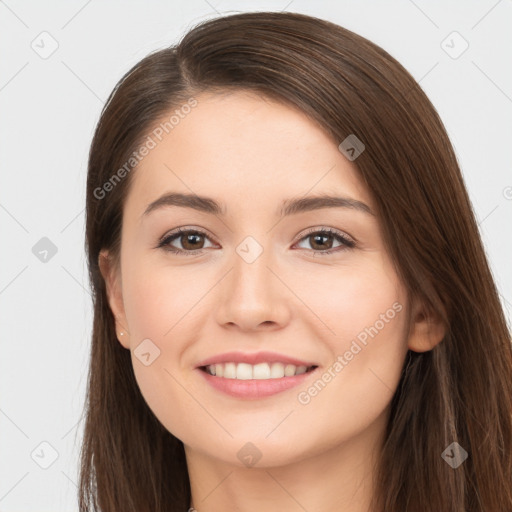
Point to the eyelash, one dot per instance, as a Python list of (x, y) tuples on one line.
[(347, 242)]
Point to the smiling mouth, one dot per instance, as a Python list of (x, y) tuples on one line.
[(261, 371)]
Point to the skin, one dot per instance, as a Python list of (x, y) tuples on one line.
[(251, 153)]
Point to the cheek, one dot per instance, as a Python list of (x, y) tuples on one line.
[(348, 300), (157, 298), (159, 306), (364, 309)]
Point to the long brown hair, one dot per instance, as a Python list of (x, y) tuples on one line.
[(461, 391)]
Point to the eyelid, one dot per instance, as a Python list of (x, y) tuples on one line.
[(185, 229), (324, 229)]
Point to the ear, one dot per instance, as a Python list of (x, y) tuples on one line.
[(427, 329), (112, 276)]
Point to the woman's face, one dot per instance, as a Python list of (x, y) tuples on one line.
[(257, 281)]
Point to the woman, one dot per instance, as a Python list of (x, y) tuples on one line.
[(293, 308)]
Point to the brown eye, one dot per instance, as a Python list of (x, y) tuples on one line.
[(321, 241), (191, 240)]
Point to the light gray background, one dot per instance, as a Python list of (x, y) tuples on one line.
[(49, 107)]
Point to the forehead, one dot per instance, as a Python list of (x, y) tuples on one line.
[(239, 146)]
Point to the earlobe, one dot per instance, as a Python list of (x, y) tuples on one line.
[(111, 276), (427, 330)]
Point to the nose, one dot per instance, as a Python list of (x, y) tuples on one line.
[(252, 295)]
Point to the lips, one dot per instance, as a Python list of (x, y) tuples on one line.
[(254, 358), (255, 389)]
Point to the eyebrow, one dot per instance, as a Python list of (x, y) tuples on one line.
[(288, 206)]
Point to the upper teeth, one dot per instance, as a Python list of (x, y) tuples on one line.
[(246, 371)]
